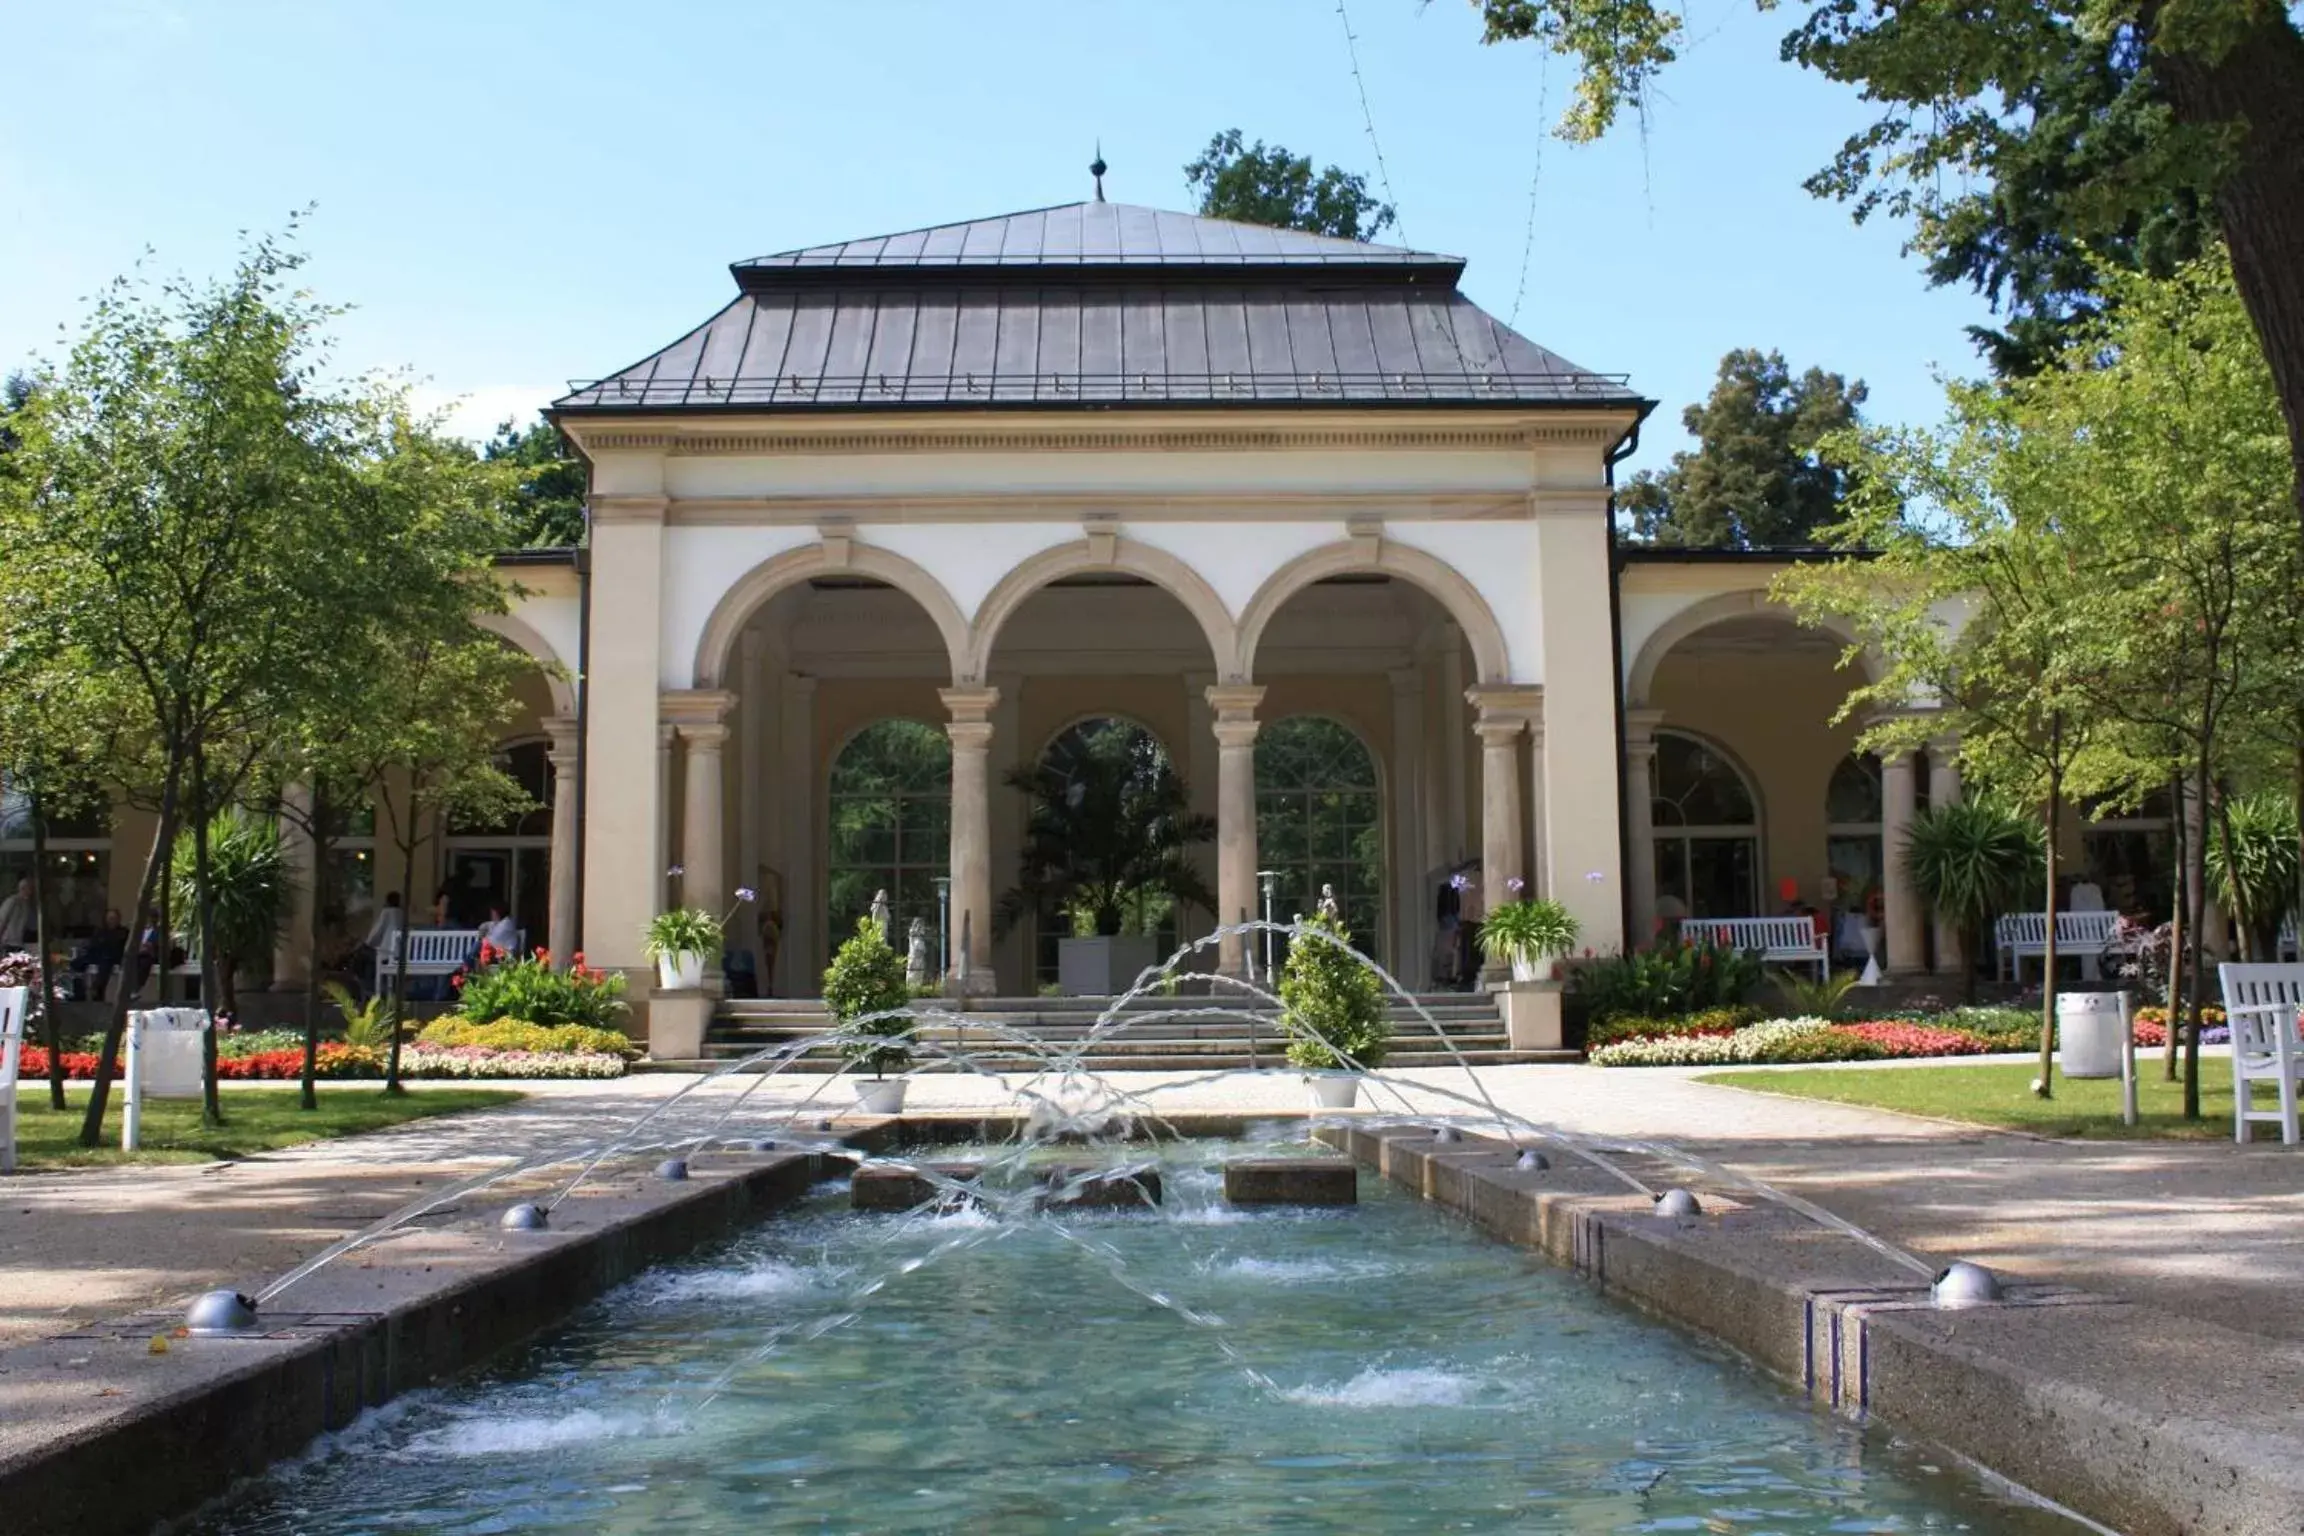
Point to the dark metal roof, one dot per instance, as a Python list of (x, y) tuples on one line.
[(1097, 305)]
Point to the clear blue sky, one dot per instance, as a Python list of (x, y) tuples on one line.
[(516, 194)]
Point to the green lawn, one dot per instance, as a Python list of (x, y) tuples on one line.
[(255, 1120), (2000, 1094)]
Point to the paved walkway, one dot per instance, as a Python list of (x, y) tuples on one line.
[(2206, 1229)]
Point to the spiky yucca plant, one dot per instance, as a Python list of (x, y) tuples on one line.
[(1971, 861)]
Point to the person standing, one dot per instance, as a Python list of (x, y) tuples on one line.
[(19, 919)]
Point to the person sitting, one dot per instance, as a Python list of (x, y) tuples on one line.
[(100, 954), (499, 933), (383, 937)]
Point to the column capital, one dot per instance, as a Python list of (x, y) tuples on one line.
[(1900, 761), (1519, 702), (692, 707), (1234, 703), (703, 737), (1640, 727), (970, 706), (1237, 735), (1497, 731), (665, 731), (969, 735)]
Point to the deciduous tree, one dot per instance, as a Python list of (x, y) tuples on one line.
[(1756, 478), (1260, 184)]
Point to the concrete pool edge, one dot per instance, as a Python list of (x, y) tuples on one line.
[(2150, 1424)]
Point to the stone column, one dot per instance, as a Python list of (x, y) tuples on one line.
[(662, 882), (1503, 718), (561, 924), (623, 830), (1640, 820), (1907, 921), (1583, 838), (1411, 903), (971, 731), (701, 716), (1539, 881), (1236, 726), (292, 957), (1943, 789)]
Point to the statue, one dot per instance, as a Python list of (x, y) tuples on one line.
[(880, 912), (918, 963), (1328, 906)]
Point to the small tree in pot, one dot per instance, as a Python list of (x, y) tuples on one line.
[(1331, 1008), (863, 988)]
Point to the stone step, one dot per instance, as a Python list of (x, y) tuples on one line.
[(825, 1062)]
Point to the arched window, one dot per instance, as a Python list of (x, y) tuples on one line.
[(1852, 845), (1320, 821), (508, 861), (1706, 833), (890, 805)]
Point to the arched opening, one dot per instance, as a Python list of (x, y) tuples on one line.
[(1705, 823), (888, 808), (1320, 823), (1109, 837), (1854, 853), (506, 861)]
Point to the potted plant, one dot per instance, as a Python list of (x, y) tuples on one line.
[(866, 993), (1107, 845), (1970, 861), (1532, 934), (1331, 1011), (685, 940)]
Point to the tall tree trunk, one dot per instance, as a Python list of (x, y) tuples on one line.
[(2178, 927), (2196, 892), (151, 895), (204, 922), (408, 849), (2045, 1085), (308, 1079), (2258, 86), (51, 1026)]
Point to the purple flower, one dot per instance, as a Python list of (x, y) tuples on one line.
[(1460, 882), (675, 871), (1515, 885), (746, 893)]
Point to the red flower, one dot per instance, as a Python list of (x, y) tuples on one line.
[(543, 956), (457, 981)]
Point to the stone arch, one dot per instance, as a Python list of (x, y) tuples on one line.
[(840, 558), (1751, 602), (1124, 555), (1435, 577), (559, 673)]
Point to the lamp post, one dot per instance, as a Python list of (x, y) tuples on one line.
[(1268, 880), (943, 927)]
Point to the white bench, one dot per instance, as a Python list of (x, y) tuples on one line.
[(2019, 936), (435, 952), (2260, 1003), (1792, 940)]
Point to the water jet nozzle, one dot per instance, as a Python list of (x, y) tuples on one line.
[(525, 1217), (672, 1170), (1447, 1133), (220, 1312), (1532, 1161), (1963, 1284), (1678, 1202)]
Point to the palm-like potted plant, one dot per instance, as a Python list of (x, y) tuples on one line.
[(865, 989), (1971, 861), (1331, 1010), (1531, 934), (685, 940), (1108, 844), (250, 889)]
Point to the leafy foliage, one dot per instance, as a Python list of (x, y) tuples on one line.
[(1757, 478), (527, 990), (363, 1021), (2255, 870), (514, 1034), (863, 989), (1809, 996), (684, 931), (1331, 1002), (1534, 929), (1109, 833), (1972, 860), (1712, 1021), (249, 888), (542, 501), (1269, 186), (1674, 976)]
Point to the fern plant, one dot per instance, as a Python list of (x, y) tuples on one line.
[(365, 1023), (1810, 998)]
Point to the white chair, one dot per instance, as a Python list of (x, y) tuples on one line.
[(2261, 1003), (13, 1009)]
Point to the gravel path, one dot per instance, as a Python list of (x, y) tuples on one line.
[(2206, 1228)]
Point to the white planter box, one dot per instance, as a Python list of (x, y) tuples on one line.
[(1531, 1015), (1102, 967)]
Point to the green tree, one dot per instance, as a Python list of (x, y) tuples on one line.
[(1331, 1001), (1756, 479), (1264, 185), (1970, 861), (1109, 834), (2208, 88), (543, 497), (247, 893)]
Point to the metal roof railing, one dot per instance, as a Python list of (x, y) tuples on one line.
[(1075, 388)]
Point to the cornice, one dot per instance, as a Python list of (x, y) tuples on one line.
[(715, 439), (1133, 506)]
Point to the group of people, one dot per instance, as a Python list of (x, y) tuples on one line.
[(98, 955), (499, 933)]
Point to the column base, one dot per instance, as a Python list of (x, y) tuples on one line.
[(976, 984)]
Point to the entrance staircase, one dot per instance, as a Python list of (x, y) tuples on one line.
[(1150, 1043)]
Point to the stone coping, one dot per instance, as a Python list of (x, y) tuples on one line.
[(2151, 1424)]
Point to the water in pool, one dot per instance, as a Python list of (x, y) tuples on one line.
[(1379, 1368)]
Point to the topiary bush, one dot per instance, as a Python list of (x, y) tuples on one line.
[(1331, 1002), (866, 978)]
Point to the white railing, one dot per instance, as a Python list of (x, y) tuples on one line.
[(1792, 940), (2021, 936)]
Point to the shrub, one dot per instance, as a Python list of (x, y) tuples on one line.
[(1331, 1003), (519, 1035), (864, 988), (530, 991), (471, 1061), (1778, 1040), (1713, 1021), (1528, 931), (256, 1042), (1810, 997), (1666, 980), (364, 1023), (1970, 859)]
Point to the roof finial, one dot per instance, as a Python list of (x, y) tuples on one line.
[(1096, 168)]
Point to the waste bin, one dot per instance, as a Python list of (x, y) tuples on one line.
[(2089, 1033)]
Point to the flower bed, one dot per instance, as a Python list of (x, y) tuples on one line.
[(1699, 1040), (473, 1061), (342, 1062)]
